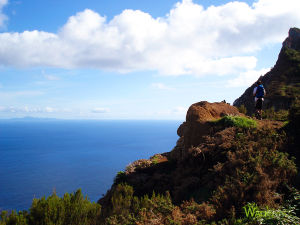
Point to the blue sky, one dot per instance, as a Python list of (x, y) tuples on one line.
[(130, 59)]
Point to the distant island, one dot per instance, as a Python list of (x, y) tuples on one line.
[(29, 118)]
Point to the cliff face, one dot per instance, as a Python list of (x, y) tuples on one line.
[(197, 125), (293, 40), (282, 82)]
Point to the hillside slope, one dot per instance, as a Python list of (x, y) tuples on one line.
[(222, 161), (282, 83)]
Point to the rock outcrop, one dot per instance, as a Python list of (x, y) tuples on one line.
[(293, 40), (282, 82), (197, 124)]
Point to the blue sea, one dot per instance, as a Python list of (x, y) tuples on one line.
[(39, 157)]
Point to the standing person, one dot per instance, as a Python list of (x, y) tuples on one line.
[(259, 93)]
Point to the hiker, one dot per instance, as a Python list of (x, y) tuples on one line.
[(259, 93)]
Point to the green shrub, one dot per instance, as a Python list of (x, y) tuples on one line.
[(13, 218), (128, 209), (242, 109), (236, 121), (72, 209), (292, 54), (271, 114), (252, 170)]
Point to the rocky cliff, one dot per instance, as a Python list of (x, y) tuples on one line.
[(282, 83)]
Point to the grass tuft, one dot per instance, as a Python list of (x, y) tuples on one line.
[(236, 121)]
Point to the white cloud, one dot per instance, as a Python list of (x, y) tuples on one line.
[(161, 86), (26, 109), (49, 109), (3, 17), (188, 40), (247, 78), (100, 110)]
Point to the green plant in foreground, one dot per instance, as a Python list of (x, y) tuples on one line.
[(282, 216), (72, 209)]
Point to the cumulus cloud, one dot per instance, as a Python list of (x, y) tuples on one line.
[(247, 78), (161, 86), (190, 39), (3, 17), (100, 110)]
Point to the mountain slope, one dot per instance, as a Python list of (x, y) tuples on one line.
[(222, 160), (282, 83)]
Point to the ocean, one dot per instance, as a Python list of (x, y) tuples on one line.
[(39, 157)]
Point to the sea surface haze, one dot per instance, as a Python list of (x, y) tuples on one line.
[(38, 157)]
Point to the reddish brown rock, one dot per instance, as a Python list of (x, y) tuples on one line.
[(197, 120), (205, 111)]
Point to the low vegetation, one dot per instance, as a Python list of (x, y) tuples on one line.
[(72, 209), (242, 109), (271, 114), (236, 121)]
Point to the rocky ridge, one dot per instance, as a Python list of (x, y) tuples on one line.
[(282, 82)]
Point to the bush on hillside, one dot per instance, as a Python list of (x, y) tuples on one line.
[(271, 114), (72, 209), (242, 109), (269, 216), (254, 170), (236, 121)]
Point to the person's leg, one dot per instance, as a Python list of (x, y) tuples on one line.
[(259, 108)]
